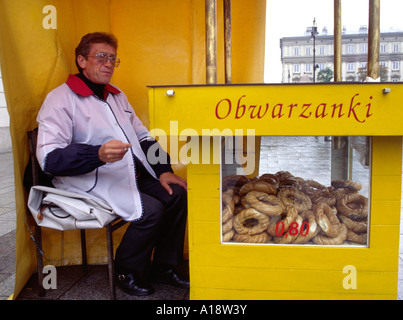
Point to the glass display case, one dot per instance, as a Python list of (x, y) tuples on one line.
[(296, 190)]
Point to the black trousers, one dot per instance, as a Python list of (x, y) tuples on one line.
[(162, 228)]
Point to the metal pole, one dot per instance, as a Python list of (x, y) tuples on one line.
[(340, 145), (227, 41), (374, 35), (211, 42), (314, 61), (337, 41), (314, 33), (228, 70), (373, 39)]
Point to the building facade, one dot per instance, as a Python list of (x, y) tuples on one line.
[(297, 54)]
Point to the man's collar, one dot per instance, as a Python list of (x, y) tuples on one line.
[(80, 88)]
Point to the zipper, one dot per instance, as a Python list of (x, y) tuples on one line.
[(133, 156), (95, 183)]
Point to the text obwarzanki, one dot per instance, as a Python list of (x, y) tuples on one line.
[(356, 109)]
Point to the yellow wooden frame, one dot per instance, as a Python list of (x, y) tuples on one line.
[(239, 271), (366, 110)]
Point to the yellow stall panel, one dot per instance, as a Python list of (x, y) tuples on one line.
[(329, 109)]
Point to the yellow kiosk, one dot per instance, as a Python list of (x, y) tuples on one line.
[(288, 254), (271, 219)]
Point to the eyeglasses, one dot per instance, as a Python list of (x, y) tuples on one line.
[(102, 57)]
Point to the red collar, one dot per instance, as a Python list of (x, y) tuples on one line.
[(80, 88)]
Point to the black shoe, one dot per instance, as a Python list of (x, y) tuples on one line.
[(133, 284), (168, 276)]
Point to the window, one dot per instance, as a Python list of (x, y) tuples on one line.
[(363, 64), (296, 51), (395, 65), (364, 48), (295, 184), (350, 49), (308, 51), (296, 68), (322, 51), (308, 68), (383, 48), (395, 47), (350, 67)]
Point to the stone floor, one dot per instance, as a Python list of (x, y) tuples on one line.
[(75, 283), (7, 226)]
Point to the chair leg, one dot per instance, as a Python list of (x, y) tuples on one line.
[(111, 266), (39, 261), (83, 249)]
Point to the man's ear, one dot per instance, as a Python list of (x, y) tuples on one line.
[(82, 62)]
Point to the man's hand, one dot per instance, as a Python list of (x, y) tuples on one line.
[(168, 177), (112, 151)]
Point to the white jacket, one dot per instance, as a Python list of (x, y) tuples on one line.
[(71, 114)]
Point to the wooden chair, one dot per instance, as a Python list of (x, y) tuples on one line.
[(37, 177)]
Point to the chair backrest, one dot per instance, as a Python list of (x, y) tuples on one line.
[(32, 141), (33, 174)]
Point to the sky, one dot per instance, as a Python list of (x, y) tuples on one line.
[(287, 18)]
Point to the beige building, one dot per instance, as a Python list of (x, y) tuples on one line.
[(297, 55)]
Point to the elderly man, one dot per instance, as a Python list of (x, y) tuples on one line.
[(92, 142)]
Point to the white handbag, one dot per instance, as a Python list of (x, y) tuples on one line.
[(63, 210)]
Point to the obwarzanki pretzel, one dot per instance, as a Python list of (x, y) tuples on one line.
[(295, 198), (318, 193), (289, 183), (327, 220), (269, 178), (311, 187), (227, 226), (339, 239), (286, 218), (228, 235), (351, 185), (288, 238), (283, 175), (228, 203), (251, 222), (265, 203), (353, 205), (358, 238), (228, 207), (234, 180), (261, 186), (257, 238), (310, 229), (355, 225)]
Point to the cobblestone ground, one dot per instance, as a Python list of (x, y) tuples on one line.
[(306, 157), (7, 226)]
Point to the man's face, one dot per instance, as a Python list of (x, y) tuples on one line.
[(94, 70)]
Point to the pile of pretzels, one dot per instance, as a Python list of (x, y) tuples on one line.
[(262, 210)]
